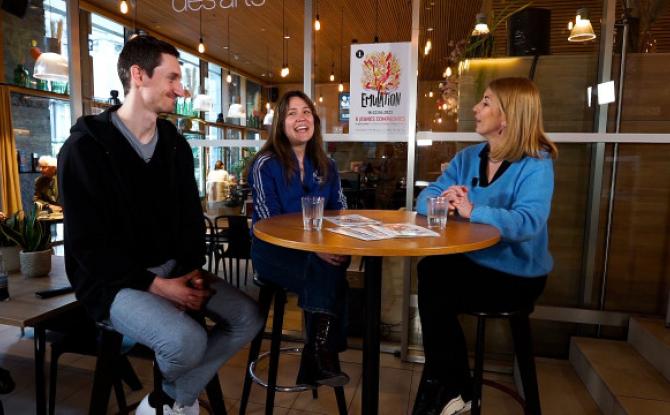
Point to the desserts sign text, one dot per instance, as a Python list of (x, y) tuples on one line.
[(195, 5)]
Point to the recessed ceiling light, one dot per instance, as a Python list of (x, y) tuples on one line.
[(287, 36), (430, 29)]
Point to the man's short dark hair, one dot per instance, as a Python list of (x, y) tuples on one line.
[(144, 51)]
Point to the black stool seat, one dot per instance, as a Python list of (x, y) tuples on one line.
[(268, 290), (109, 348), (521, 335)]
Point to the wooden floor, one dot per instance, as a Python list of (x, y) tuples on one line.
[(562, 392)]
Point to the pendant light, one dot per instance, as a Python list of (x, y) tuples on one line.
[(340, 87), (582, 30), (201, 45), (284, 46), (229, 77), (481, 28), (317, 22), (51, 65), (123, 7), (332, 72)]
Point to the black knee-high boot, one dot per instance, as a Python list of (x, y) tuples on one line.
[(320, 364)]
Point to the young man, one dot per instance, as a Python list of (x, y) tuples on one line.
[(134, 231), (46, 186)]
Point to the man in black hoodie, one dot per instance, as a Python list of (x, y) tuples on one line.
[(134, 231)]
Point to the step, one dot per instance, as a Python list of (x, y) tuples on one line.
[(651, 339), (618, 378)]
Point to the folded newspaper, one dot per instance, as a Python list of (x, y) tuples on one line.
[(351, 220), (384, 231)]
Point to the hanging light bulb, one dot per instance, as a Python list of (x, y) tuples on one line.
[(340, 87), (430, 94), (267, 105), (448, 72), (284, 71), (123, 6), (320, 98), (201, 45), (317, 22), (332, 77), (427, 47), (229, 77)]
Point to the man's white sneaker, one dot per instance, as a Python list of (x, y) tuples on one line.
[(144, 408), (178, 409), (454, 406)]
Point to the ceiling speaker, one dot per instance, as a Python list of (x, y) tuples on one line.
[(15, 7)]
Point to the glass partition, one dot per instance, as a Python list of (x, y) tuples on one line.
[(41, 125)]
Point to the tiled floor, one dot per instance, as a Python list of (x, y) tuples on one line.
[(561, 391)]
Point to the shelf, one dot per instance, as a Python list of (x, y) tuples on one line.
[(35, 92)]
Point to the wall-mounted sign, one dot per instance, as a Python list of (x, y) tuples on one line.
[(195, 5), (379, 86)]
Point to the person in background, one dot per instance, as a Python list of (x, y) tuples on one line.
[(290, 165), (134, 232), (506, 182), (217, 183), (46, 186)]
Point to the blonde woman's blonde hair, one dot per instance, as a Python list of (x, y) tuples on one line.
[(519, 100)]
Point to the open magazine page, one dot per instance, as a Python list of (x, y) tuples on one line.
[(366, 232), (351, 220), (386, 231), (408, 230)]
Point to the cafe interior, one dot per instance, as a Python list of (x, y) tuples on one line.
[(601, 328)]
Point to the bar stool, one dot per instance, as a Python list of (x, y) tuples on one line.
[(267, 292), (521, 335), (107, 374)]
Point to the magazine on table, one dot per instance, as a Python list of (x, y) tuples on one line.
[(384, 231), (351, 220)]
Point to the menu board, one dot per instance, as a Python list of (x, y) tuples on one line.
[(379, 87)]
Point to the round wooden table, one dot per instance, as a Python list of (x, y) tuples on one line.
[(458, 237)]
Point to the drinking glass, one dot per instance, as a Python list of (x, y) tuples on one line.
[(312, 212), (438, 208)]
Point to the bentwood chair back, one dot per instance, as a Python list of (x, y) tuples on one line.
[(238, 248)]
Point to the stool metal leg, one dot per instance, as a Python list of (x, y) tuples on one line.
[(215, 396), (479, 366), (264, 299), (109, 348), (275, 344), (523, 345), (341, 400)]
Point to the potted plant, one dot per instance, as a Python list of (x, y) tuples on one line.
[(34, 241), (8, 248)]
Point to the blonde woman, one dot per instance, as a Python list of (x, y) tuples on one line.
[(506, 182)]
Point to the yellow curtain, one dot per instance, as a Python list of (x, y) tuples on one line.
[(9, 168)]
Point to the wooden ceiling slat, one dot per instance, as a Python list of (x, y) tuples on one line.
[(255, 31)]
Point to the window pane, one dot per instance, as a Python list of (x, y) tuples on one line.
[(105, 44)]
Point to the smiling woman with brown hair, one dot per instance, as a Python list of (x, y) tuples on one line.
[(293, 164)]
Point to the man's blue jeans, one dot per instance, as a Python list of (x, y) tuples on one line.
[(187, 355), (321, 287)]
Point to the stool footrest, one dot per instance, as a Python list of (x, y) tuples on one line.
[(277, 388)]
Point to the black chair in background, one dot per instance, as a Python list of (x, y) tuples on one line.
[(214, 241), (7, 385), (238, 247), (351, 187)]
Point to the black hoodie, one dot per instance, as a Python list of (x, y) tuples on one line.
[(105, 234)]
